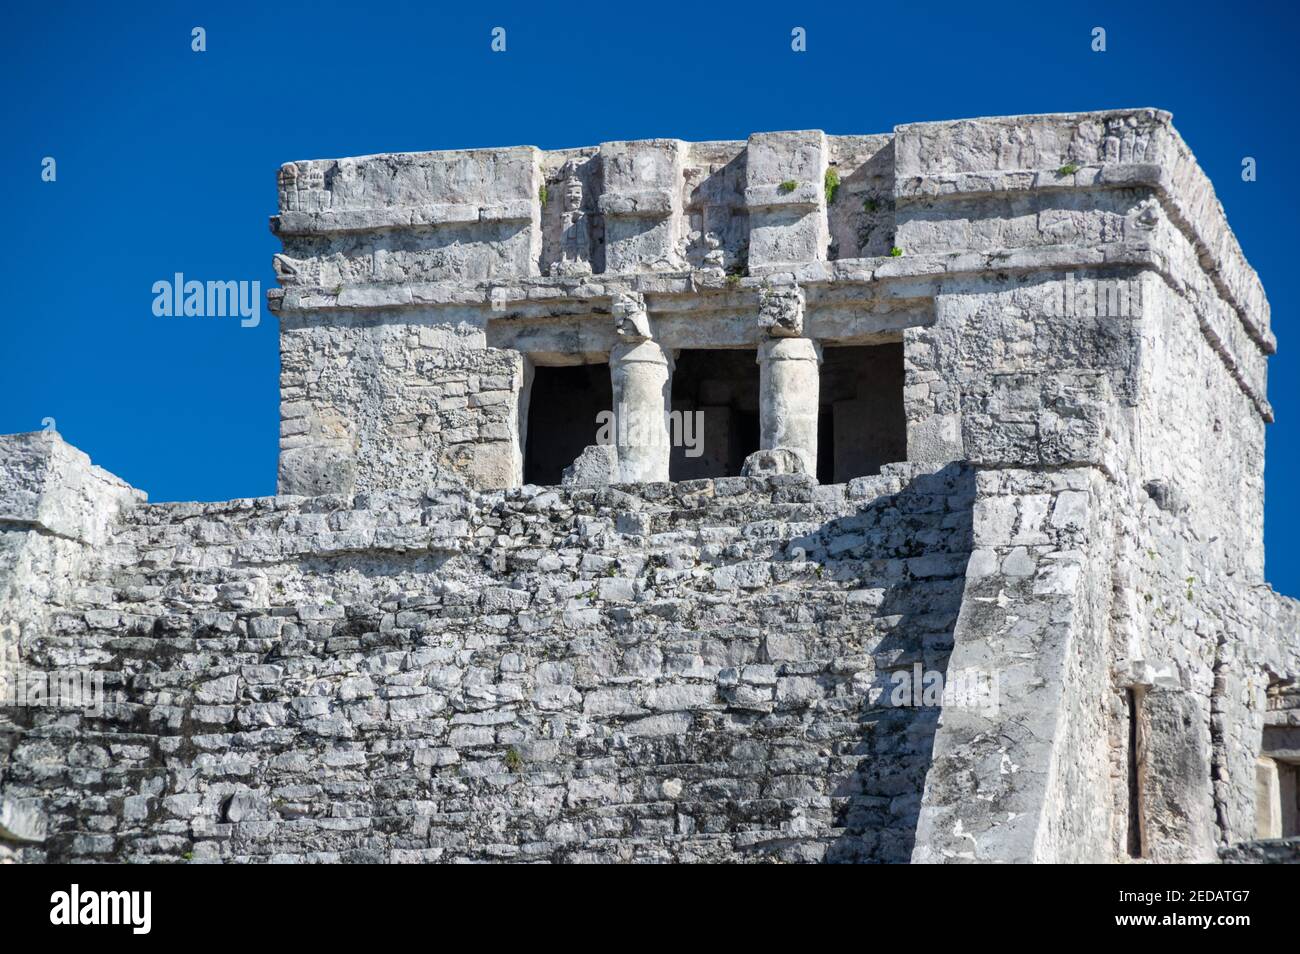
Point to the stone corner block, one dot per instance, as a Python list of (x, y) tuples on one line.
[(49, 484)]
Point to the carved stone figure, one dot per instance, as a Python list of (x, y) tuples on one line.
[(631, 321), (780, 310), (575, 227)]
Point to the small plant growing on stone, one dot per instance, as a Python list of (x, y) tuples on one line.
[(788, 186), (514, 761), (1068, 169), (832, 185), (895, 252), (541, 193), (870, 205)]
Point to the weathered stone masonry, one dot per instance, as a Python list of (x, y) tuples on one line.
[(1041, 326), (577, 674)]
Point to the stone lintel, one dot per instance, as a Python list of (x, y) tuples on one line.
[(423, 216), (869, 281), (877, 278)]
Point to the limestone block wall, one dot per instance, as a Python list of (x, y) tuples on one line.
[(787, 198), (1004, 156), (1138, 669), (369, 402), (642, 204), (696, 671), (1106, 197), (860, 212)]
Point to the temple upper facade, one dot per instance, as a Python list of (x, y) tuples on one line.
[(807, 498)]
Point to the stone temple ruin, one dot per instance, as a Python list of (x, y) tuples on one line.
[(977, 402)]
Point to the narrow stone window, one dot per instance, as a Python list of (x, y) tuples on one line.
[(863, 425), (715, 413), (1136, 756), (564, 405), (826, 444)]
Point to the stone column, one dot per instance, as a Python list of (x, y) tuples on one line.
[(789, 393), (642, 377)]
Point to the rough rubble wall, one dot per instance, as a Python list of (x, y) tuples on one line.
[(1194, 637), (1017, 370), (1193, 633), (1202, 644), (1197, 435), (1004, 377), (690, 671), (56, 513), (1009, 372), (371, 401)]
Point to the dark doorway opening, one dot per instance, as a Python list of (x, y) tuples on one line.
[(863, 425), (719, 389), (826, 444), (563, 408)]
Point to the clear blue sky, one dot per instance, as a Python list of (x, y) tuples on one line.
[(166, 161)]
